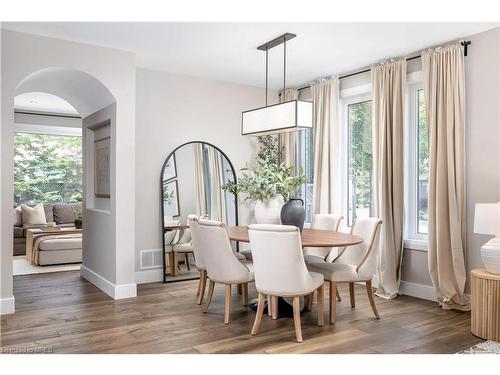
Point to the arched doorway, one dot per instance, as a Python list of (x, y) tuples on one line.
[(97, 108)]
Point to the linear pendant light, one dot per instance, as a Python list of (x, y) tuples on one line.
[(283, 117)]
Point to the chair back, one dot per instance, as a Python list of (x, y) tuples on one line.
[(325, 222), (195, 240), (171, 236), (211, 240), (279, 266), (186, 233), (363, 255)]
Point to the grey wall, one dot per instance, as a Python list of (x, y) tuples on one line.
[(174, 109)]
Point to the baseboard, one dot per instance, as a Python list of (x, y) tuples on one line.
[(7, 305), (413, 289), (150, 276), (120, 291), (418, 290)]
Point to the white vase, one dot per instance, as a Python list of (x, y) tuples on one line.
[(269, 212), (490, 255)]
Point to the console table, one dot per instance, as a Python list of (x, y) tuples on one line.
[(485, 295)]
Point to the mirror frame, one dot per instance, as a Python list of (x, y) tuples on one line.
[(162, 211)]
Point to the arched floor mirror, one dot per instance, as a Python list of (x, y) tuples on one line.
[(191, 183)]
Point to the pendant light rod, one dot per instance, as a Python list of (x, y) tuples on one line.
[(267, 64), (284, 68), (282, 39)]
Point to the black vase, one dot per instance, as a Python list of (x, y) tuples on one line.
[(293, 213)]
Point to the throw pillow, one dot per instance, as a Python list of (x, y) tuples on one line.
[(18, 217), (33, 216)]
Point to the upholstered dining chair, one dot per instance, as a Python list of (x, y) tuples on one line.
[(222, 264), (325, 222), (353, 264), (198, 257), (171, 237), (280, 271)]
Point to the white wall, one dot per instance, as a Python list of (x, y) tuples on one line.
[(171, 110), (24, 54)]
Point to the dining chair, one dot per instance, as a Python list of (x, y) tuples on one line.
[(325, 222), (221, 263), (280, 271), (356, 263), (198, 257), (171, 237)]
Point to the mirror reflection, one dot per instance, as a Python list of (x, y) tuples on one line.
[(192, 184)]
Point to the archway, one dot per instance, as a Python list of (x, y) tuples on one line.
[(97, 108)]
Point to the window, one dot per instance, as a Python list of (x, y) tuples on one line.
[(423, 164), (359, 160), (417, 169), (305, 159), (47, 168)]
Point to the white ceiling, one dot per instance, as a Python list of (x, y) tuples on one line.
[(227, 51), (44, 103)]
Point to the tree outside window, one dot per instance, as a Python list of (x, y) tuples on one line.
[(47, 169), (360, 160)]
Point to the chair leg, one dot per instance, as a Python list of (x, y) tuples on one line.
[(203, 285), (308, 301), (258, 316), (227, 307), (338, 296), (320, 299), (199, 285), (211, 286), (296, 318), (333, 302), (245, 294), (269, 306), (187, 261), (274, 307), (369, 290), (351, 294)]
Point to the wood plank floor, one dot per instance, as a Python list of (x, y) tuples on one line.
[(67, 314)]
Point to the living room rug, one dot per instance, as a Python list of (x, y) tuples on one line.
[(487, 347), (21, 266)]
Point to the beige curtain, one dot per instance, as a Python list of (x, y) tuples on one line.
[(444, 85), (388, 90), (325, 97), (287, 140), (217, 197), (200, 198)]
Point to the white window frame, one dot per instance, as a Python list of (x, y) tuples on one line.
[(348, 97), (413, 239)]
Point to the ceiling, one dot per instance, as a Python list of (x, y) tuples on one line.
[(227, 51), (41, 102)]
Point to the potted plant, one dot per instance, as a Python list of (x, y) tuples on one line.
[(269, 183), (79, 218)]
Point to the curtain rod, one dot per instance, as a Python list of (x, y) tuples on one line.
[(465, 43)]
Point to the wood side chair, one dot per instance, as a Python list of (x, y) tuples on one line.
[(355, 264), (222, 264), (280, 271)]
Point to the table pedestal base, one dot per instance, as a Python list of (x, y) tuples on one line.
[(285, 310)]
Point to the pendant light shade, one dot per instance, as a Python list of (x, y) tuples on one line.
[(277, 118), (282, 117)]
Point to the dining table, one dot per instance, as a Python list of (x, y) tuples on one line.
[(309, 238)]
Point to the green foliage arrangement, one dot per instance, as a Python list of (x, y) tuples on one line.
[(269, 178)]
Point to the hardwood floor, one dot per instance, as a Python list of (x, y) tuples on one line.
[(66, 314)]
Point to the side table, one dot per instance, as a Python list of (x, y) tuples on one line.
[(485, 295)]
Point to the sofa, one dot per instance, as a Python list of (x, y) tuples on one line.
[(63, 214)]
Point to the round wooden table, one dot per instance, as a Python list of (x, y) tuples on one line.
[(310, 237), (485, 306)]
